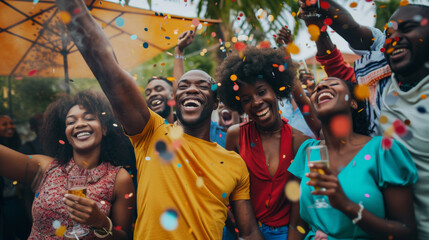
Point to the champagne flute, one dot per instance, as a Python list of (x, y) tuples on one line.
[(76, 185), (318, 155)]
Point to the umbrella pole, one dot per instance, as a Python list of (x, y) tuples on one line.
[(64, 52), (9, 93)]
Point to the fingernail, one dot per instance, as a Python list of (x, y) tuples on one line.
[(64, 199), (307, 174), (311, 165), (66, 195)]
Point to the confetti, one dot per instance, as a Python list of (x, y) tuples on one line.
[(60, 231), (353, 4), (224, 195), (366, 195), (200, 182), (133, 37), (300, 229), (361, 92), (61, 142), (120, 22), (56, 224), (386, 143), (179, 165), (292, 48), (145, 45), (421, 109), (383, 119), (117, 228), (240, 46), (235, 87), (195, 22), (340, 125), (292, 191), (65, 17), (399, 127), (32, 72), (171, 102), (327, 21), (367, 157), (314, 31), (169, 219), (403, 3), (233, 77)]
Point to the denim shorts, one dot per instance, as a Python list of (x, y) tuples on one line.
[(274, 233)]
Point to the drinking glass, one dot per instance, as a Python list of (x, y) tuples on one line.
[(76, 185), (318, 155)]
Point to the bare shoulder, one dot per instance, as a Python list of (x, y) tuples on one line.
[(298, 138), (232, 137), (123, 177), (43, 160)]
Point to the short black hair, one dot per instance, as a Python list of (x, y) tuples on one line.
[(161, 78), (53, 137), (254, 65)]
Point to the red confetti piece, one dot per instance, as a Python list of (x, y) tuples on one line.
[(281, 68), (388, 40), (241, 14), (117, 228), (323, 28), (382, 50), (235, 87), (324, 4), (397, 39), (76, 11), (213, 34), (327, 21), (399, 127), (61, 142), (171, 102), (424, 22), (195, 22), (32, 72), (306, 109), (340, 125), (240, 46), (386, 143)]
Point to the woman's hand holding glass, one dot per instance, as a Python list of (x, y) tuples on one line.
[(325, 182), (84, 211)]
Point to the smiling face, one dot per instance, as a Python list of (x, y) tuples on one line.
[(158, 93), (194, 98), (227, 117), (7, 127), (83, 130), (259, 102), (407, 40), (332, 96)]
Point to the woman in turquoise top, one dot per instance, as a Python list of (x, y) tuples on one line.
[(365, 183)]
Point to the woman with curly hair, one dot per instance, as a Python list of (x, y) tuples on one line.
[(366, 187), (252, 84), (81, 138)]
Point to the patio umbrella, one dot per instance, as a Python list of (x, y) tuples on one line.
[(34, 40)]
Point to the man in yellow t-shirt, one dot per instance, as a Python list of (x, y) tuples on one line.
[(184, 181)]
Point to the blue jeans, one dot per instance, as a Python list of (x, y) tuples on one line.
[(274, 233)]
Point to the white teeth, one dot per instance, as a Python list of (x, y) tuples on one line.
[(325, 94), (263, 112), (397, 51), (83, 134), (192, 102), (156, 102)]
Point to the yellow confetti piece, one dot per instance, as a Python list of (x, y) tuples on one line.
[(314, 31), (403, 3), (361, 92), (282, 88), (237, 97), (382, 6), (170, 79), (292, 48), (60, 231), (85, 163), (176, 132), (300, 229), (65, 17), (383, 119), (15, 182), (233, 77), (328, 51), (293, 14), (353, 4), (200, 182), (244, 58), (292, 191), (227, 44), (280, 112), (423, 96)]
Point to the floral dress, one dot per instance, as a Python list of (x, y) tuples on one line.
[(49, 210)]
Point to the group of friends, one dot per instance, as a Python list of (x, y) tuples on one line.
[(202, 179)]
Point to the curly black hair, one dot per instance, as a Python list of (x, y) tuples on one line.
[(361, 120), (255, 65), (113, 145)]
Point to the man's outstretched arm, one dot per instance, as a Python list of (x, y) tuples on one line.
[(118, 85)]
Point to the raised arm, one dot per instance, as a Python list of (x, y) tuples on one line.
[(17, 166), (184, 40), (120, 88), (359, 37)]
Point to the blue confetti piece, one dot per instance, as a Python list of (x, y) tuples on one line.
[(260, 76), (224, 195), (30, 156), (145, 45), (156, 14), (133, 37), (285, 65), (167, 37), (120, 22), (37, 194), (252, 144), (421, 109), (160, 14), (179, 165), (35, 1), (192, 31), (166, 121), (214, 87), (145, 29)]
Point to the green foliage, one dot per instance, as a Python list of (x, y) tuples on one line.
[(384, 13)]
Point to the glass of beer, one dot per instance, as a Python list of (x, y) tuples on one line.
[(318, 155), (76, 185)]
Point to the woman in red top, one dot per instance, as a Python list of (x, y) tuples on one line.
[(252, 84)]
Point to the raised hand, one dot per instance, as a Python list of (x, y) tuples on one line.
[(84, 211), (284, 36), (185, 39), (326, 178), (309, 14)]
